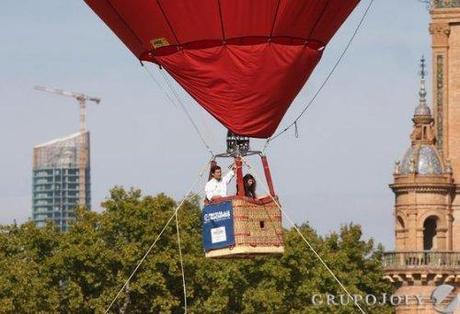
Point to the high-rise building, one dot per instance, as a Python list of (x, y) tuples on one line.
[(61, 179), (426, 260)]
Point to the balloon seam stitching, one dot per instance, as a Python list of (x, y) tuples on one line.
[(274, 19), (124, 22), (221, 21), (319, 18), (168, 22), (218, 43)]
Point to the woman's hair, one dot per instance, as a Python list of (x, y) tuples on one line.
[(249, 191)]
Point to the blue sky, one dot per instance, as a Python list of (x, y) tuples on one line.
[(336, 172)]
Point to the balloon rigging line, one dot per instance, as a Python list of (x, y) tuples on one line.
[(187, 195), (181, 264), (339, 60), (255, 174), (208, 148), (187, 113), (268, 141), (171, 100)]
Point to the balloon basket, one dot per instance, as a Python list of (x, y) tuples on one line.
[(241, 227)]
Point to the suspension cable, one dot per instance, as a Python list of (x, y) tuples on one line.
[(181, 104), (150, 74), (187, 113), (181, 263), (326, 80), (169, 81), (255, 174), (187, 195)]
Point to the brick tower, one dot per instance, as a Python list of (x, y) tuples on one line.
[(423, 186), (445, 32), (426, 181)]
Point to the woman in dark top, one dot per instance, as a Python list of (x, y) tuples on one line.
[(249, 186)]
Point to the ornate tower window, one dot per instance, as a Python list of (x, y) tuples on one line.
[(429, 233)]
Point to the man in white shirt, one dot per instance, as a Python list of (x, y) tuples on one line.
[(217, 186)]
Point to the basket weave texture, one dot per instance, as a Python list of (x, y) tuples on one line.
[(257, 225)]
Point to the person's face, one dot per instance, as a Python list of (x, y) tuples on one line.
[(250, 182), (217, 174)]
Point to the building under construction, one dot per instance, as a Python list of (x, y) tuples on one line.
[(61, 179), (61, 171)]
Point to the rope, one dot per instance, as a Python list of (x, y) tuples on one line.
[(187, 113), (339, 60), (254, 172), (159, 85), (181, 264), (180, 99), (158, 237), (208, 148)]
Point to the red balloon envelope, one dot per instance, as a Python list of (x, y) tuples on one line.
[(244, 61)]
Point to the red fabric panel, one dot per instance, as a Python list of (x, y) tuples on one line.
[(114, 21), (298, 18), (201, 23), (138, 22), (331, 20), (243, 18), (247, 88), (146, 19), (246, 82)]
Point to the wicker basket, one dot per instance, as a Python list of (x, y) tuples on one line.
[(257, 229)]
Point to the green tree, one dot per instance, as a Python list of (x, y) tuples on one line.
[(25, 279), (81, 271)]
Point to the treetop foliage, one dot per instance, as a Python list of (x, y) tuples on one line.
[(80, 271)]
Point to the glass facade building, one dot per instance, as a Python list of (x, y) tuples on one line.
[(61, 179)]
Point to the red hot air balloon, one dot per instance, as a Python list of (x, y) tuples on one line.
[(244, 61)]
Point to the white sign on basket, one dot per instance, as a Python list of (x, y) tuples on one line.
[(218, 235)]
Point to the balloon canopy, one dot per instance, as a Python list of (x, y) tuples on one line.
[(244, 61)]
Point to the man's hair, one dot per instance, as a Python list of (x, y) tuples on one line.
[(214, 168)]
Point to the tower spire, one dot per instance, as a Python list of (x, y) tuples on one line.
[(422, 108), (422, 92)]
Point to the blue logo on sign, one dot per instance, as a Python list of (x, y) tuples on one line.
[(218, 226), (216, 216)]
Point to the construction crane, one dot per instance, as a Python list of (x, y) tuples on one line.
[(83, 153), (81, 98)]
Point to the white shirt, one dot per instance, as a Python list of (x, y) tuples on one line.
[(218, 188)]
